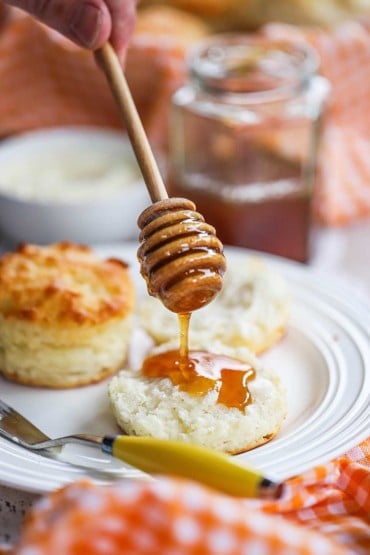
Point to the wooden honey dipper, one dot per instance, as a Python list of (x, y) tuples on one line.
[(181, 258)]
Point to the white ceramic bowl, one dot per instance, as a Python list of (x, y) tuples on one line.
[(73, 184)]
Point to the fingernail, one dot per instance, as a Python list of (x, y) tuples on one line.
[(86, 23)]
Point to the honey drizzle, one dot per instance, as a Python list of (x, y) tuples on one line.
[(198, 372), (184, 320)]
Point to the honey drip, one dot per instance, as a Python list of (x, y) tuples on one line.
[(198, 372), (184, 321), (180, 256)]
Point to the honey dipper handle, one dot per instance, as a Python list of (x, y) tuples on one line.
[(121, 92)]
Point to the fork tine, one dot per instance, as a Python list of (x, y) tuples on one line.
[(4, 408), (14, 424)]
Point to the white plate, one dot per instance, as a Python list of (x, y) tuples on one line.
[(322, 362)]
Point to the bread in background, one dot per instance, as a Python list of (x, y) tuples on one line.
[(156, 64), (251, 310), (249, 14), (65, 315), (170, 23)]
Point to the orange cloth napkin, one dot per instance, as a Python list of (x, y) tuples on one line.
[(325, 511), (343, 191), (47, 81), (43, 83)]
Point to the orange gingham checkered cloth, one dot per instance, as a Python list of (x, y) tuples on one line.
[(323, 512), (46, 81), (343, 191)]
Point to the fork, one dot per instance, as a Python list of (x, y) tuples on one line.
[(151, 455)]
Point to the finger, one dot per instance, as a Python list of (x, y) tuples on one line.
[(86, 22), (123, 14)]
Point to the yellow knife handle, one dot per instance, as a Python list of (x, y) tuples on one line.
[(177, 458)]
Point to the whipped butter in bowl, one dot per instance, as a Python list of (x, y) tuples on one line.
[(76, 184)]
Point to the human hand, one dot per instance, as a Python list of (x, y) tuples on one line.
[(89, 23)]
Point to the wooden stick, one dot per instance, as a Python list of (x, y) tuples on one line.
[(140, 144)]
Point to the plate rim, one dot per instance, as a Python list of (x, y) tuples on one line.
[(285, 267)]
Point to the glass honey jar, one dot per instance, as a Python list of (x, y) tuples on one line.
[(244, 138)]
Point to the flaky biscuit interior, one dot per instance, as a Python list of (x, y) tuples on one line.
[(155, 407), (252, 310)]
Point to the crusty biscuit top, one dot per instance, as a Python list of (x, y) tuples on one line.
[(167, 23), (65, 283)]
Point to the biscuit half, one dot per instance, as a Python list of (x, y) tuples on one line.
[(252, 310), (65, 315), (155, 407)]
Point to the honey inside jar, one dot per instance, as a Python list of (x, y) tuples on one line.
[(244, 135), (198, 372)]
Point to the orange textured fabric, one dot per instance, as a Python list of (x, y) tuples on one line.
[(323, 512), (343, 192), (46, 81)]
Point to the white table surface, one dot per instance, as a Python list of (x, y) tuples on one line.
[(343, 254)]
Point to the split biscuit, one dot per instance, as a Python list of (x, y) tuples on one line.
[(251, 310), (155, 407)]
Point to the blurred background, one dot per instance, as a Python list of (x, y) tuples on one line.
[(268, 173)]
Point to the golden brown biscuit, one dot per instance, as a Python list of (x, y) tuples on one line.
[(249, 14), (65, 315), (166, 22)]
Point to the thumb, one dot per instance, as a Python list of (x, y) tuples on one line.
[(86, 22)]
